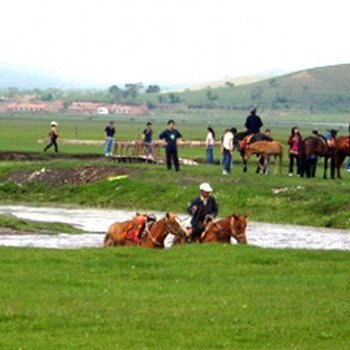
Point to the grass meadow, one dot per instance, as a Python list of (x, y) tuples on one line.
[(187, 297)]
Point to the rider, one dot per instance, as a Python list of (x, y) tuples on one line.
[(253, 122), (202, 206)]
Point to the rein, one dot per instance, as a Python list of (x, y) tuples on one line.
[(169, 229)]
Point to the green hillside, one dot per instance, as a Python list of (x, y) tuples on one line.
[(319, 89)]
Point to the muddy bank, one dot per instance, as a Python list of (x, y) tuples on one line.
[(33, 156), (64, 176)]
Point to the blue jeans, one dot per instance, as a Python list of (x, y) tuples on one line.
[(108, 145), (347, 164), (227, 160), (210, 158)]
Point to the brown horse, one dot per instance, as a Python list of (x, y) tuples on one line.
[(317, 146), (241, 139), (342, 149), (266, 149), (222, 230), (152, 238)]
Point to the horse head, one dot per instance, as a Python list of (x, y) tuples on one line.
[(333, 132), (238, 227), (174, 225)]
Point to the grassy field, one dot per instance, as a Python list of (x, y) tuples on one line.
[(189, 297), (275, 198)]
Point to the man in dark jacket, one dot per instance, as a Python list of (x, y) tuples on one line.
[(253, 122), (171, 136), (202, 206)]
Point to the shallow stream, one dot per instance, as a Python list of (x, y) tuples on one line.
[(96, 221)]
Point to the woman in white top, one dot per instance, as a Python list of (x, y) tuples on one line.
[(227, 149), (209, 145)]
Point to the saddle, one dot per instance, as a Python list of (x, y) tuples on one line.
[(245, 141), (138, 227)]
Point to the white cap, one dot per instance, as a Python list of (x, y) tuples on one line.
[(53, 123), (205, 187)]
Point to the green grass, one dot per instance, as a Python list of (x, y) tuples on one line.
[(11, 222), (315, 202), (189, 297)]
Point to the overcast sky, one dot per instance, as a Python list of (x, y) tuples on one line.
[(162, 41)]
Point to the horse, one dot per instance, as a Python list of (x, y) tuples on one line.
[(342, 149), (265, 149), (241, 139), (153, 237), (222, 230), (319, 146)]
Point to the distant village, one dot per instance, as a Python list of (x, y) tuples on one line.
[(30, 104)]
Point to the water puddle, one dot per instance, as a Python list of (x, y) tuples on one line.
[(96, 221)]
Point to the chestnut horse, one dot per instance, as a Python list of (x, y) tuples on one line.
[(266, 149), (317, 146), (152, 238), (222, 230), (239, 138), (342, 149)]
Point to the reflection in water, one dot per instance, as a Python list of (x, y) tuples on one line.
[(96, 222)]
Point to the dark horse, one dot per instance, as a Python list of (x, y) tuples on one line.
[(242, 139), (317, 146), (342, 149)]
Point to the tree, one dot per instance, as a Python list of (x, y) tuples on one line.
[(210, 95), (133, 90), (256, 93), (153, 89), (174, 98), (116, 93)]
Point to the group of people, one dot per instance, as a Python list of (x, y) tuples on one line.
[(171, 137)]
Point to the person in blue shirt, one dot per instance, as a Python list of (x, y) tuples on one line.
[(147, 139), (171, 137), (109, 133)]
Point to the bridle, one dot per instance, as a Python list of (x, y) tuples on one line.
[(169, 229)]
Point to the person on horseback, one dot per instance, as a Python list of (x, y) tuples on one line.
[(253, 122), (200, 208)]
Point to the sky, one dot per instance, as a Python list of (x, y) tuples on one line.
[(178, 41)]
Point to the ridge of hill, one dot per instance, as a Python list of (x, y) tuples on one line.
[(322, 88)]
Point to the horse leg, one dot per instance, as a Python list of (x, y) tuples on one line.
[(245, 162), (307, 167), (325, 167), (339, 159), (332, 167)]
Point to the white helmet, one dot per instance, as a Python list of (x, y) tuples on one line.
[(205, 187), (53, 123)]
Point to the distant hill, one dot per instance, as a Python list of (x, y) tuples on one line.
[(22, 77), (317, 89), (237, 80)]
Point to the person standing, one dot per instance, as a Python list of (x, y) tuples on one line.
[(209, 145), (202, 206), (227, 149), (109, 137), (171, 136), (147, 139), (294, 142), (53, 133), (253, 122)]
